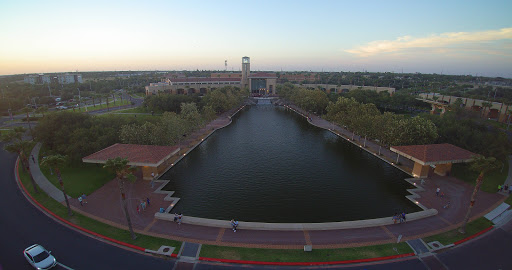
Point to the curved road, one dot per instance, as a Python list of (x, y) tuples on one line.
[(22, 224)]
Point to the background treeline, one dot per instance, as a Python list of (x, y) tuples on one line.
[(357, 112), (389, 128), (220, 100), (78, 135)]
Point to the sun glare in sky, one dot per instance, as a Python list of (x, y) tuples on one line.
[(449, 37)]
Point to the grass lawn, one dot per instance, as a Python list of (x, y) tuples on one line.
[(298, 255), (454, 235), (80, 179), (139, 109), (144, 241), (509, 200), (491, 180), (4, 131)]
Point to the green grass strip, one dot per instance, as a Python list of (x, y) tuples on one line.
[(454, 235), (298, 255)]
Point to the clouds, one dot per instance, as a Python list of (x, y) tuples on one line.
[(439, 41)]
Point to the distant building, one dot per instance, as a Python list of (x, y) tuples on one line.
[(57, 78), (177, 83)]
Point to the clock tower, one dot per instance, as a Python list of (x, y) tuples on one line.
[(246, 71)]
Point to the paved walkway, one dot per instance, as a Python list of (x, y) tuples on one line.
[(104, 205)]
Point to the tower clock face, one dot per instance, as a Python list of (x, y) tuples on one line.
[(245, 60)]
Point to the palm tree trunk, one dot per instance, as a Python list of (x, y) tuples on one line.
[(63, 191), (29, 126), (24, 163), (479, 182), (125, 207)]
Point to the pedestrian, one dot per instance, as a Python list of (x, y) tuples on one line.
[(138, 209), (180, 216), (84, 198), (175, 217), (442, 195), (152, 180), (437, 191), (395, 217), (403, 216), (143, 204), (148, 201), (234, 224), (499, 188), (33, 159), (80, 201), (506, 187)]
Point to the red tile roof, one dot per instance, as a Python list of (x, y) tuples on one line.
[(139, 155), (434, 153)]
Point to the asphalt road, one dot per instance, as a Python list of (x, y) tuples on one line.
[(22, 225)]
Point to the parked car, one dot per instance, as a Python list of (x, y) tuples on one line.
[(39, 257), (62, 108)]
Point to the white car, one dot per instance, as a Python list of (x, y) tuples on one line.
[(62, 108), (39, 257)]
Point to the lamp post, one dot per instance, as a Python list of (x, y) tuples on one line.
[(79, 99)]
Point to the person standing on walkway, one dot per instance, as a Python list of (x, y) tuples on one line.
[(80, 201), (437, 191)]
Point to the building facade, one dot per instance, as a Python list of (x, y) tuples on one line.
[(58, 78), (257, 83)]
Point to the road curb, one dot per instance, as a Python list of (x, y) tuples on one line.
[(24, 190), (473, 236), (308, 263)]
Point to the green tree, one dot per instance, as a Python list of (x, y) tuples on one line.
[(482, 165), (123, 172), (16, 144), (54, 162)]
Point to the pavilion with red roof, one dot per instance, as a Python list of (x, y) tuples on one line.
[(151, 158), (442, 156)]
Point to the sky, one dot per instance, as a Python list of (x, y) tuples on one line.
[(443, 37)]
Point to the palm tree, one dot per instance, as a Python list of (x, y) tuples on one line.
[(486, 105), (56, 161), (120, 167), (16, 144), (482, 165), (27, 110)]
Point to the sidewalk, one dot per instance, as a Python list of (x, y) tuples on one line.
[(104, 205)]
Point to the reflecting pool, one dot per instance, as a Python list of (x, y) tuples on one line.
[(271, 165)]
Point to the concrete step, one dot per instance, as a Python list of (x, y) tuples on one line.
[(503, 218)]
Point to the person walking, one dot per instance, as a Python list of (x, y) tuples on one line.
[(403, 217), (180, 216), (499, 188), (175, 217), (138, 209), (437, 191), (80, 201), (148, 201), (84, 198), (33, 159)]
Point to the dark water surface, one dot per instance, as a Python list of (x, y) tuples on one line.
[(271, 165)]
